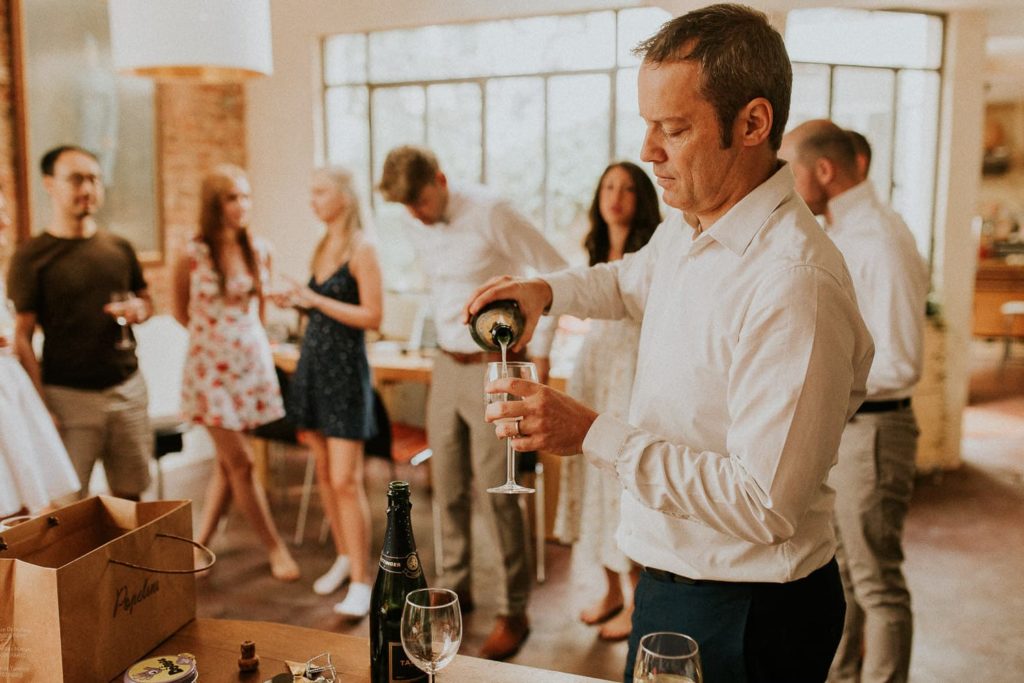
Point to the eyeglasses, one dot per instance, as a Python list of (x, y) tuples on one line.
[(79, 179)]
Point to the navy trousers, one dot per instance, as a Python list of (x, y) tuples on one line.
[(747, 632)]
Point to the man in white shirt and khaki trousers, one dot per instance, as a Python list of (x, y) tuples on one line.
[(875, 474), (753, 357), (464, 235)]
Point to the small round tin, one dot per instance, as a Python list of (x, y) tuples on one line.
[(179, 668)]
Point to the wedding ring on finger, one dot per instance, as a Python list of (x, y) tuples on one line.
[(518, 433)]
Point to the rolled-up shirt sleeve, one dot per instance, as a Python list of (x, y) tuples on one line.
[(799, 352)]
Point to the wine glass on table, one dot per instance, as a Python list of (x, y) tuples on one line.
[(514, 370), (666, 657), (431, 628), (120, 302)]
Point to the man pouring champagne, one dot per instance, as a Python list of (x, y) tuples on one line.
[(753, 356)]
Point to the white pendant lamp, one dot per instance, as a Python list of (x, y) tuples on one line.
[(214, 41)]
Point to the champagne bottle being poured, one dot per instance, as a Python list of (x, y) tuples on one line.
[(498, 325)]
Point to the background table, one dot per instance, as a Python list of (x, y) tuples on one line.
[(216, 645)]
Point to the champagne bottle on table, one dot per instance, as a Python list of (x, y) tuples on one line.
[(400, 572)]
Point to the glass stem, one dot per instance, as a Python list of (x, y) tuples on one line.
[(510, 462)]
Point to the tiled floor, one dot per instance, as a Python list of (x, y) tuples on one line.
[(964, 547)]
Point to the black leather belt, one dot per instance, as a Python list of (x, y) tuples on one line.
[(884, 406), (669, 577)]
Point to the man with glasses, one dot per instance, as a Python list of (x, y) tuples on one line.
[(64, 281)]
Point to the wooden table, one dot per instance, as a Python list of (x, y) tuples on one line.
[(389, 367), (215, 643)]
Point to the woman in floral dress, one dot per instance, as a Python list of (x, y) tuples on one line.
[(623, 216), (229, 383)]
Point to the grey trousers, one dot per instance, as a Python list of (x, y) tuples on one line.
[(874, 479), (468, 459)]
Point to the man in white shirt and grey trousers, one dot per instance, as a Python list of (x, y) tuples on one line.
[(875, 474), (464, 235), (752, 358)]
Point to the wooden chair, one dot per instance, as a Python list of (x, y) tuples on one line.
[(1011, 311)]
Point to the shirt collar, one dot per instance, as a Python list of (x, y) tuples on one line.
[(844, 204), (737, 228), (453, 207)]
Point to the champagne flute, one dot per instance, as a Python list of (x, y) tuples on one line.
[(431, 628), (515, 370), (666, 657), (119, 303)]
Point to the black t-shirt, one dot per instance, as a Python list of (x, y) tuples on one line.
[(66, 283)]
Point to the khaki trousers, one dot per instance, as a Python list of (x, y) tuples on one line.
[(468, 459), (874, 479), (110, 425)]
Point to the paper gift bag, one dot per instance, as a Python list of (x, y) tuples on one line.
[(89, 589)]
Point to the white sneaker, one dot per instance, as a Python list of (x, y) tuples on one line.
[(357, 603), (335, 576)]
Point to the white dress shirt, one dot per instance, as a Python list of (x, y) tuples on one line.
[(891, 281), (752, 358), (481, 236)]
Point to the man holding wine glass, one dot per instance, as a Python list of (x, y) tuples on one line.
[(78, 283), (753, 356), (462, 236)]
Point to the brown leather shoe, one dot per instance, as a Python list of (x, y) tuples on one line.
[(508, 636)]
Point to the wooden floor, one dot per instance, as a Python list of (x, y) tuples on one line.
[(964, 547)]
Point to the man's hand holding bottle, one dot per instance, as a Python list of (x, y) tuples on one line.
[(549, 420)]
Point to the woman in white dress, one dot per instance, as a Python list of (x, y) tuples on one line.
[(623, 216), (35, 469)]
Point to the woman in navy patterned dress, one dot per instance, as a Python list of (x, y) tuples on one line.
[(331, 398)]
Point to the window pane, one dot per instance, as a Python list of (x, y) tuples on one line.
[(578, 149), (397, 120), (850, 36), (629, 127), (516, 46), (345, 59), (515, 142), (396, 253), (862, 99), (453, 129), (810, 94), (917, 130), (348, 133), (636, 25)]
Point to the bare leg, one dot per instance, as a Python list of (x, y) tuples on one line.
[(234, 452), (620, 626), (609, 605), (216, 503), (345, 462), (318, 444)]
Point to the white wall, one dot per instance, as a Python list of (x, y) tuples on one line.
[(960, 150)]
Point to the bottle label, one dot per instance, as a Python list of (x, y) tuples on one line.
[(400, 667), (409, 565)]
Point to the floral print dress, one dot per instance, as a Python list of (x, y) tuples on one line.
[(229, 379)]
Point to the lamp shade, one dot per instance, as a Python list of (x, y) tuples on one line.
[(207, 40)]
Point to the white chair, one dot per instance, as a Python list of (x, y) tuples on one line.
[(161, 346), (1011, 310)]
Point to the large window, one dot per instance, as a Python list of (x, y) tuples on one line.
[(534, 107), (878, 73), (537, 107)]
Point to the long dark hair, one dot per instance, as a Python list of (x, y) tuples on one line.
[(645, 219), (216, 184)]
